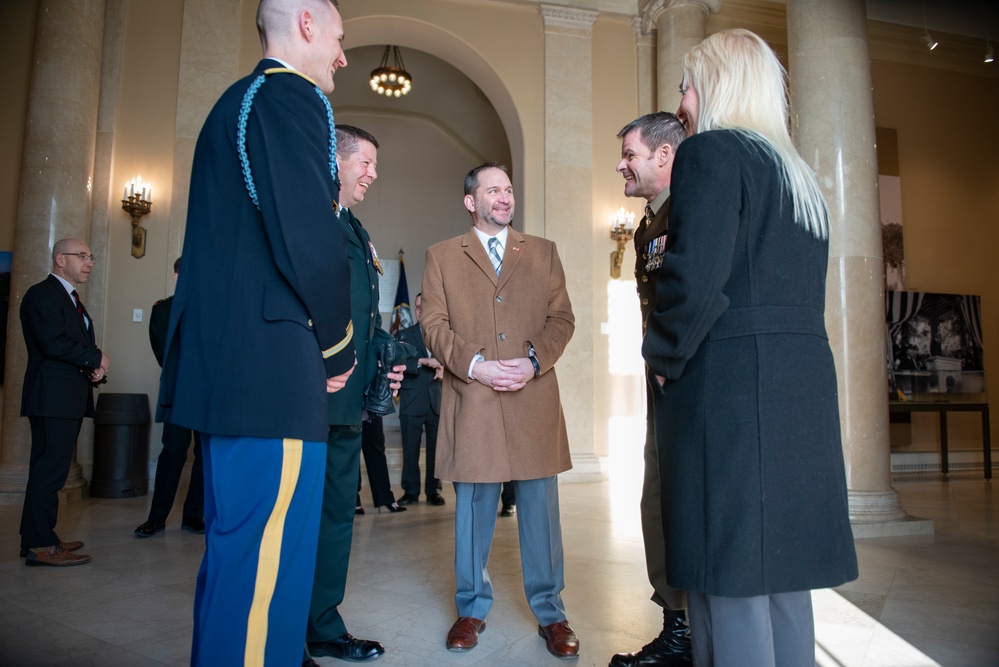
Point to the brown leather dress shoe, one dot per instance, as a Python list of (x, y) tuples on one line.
[(54, 556), (561, 640), (75, 545), (464, 634)]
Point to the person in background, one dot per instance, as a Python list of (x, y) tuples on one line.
[(419, 413), (747, 419), (373, 451), (64, 365), (508, 499), (173, 456)]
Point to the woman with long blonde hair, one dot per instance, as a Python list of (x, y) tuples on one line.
[(747, 426)]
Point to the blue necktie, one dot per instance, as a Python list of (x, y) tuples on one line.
[(494, 256)]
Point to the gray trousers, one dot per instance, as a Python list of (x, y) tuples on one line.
[(763, 631), (540, 547)]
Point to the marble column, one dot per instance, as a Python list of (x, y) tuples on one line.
[(679, 25), (833, 117), (55, 193), (645, 58), (569, 212)]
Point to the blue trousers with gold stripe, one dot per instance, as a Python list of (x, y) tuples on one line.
[(262, 502)]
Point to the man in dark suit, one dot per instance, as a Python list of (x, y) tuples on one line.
[(260, 332), (173, 456), (357, 157), (64, 364), (419, 412), (648, 146)]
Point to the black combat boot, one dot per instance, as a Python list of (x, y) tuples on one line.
[(670, 649)]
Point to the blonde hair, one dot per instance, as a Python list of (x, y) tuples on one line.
[(742, 86)]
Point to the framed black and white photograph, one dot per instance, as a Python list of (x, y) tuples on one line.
[(934, 343)]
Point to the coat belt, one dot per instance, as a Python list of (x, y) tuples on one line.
[(753, 321)]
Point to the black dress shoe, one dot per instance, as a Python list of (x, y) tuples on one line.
[(358, 510), (392, 507), (408, 499), (150, 528), (670, 649), (435, 499), (508, 510), (346, 647), (196, 526)]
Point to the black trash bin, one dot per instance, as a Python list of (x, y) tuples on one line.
[(121, 446)]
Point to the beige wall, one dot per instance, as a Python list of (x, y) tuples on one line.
[(948, 140)]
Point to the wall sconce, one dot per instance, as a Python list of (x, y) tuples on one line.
[(138, 199), (622, 230)]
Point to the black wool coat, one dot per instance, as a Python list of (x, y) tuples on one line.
[(747, 424)]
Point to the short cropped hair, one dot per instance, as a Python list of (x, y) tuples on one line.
[(349, 138), (272, 14), (472, 177), (656, 129)]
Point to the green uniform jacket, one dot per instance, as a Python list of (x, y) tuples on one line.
[(345, 405)]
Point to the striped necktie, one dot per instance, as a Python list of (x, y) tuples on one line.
[(79, 304), (494, 255)]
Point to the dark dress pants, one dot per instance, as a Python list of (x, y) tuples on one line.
[(336, 526), (169, 466), (52, 443), (509, 494), (413, 428), (373, 448)]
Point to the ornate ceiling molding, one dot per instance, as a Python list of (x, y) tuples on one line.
[(650, 10), (567, 17)]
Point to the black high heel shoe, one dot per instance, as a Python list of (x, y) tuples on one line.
[(392, 507)]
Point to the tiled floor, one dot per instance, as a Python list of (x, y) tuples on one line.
[(920, 600)]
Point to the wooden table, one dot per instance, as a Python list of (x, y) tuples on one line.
[(943, 408)]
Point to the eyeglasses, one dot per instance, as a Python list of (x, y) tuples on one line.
[(82, 255)]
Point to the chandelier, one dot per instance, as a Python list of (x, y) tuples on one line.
[(391, 80)]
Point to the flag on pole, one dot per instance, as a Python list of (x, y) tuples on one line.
[(402, 317)]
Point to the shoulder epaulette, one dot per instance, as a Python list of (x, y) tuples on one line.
[(244, 115)]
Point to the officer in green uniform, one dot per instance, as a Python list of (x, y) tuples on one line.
[(648, 146), (356, 152)]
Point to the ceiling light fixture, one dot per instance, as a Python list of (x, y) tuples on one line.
[(927, 40), (988, 44), (391, 80)]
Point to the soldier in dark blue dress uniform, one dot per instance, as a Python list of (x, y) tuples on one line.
[(260, 332)]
